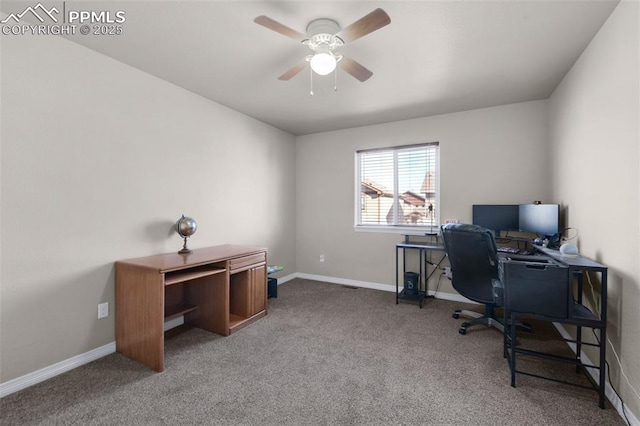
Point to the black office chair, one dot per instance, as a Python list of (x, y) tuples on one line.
[(473, 257)]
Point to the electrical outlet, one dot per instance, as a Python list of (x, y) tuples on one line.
[(322, 258), (447, 272), (103, 310), (451, 221)]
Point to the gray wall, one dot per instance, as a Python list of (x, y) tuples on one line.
[(491, 156), (595, 134), (98, 161)]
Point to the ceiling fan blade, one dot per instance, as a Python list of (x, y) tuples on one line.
[(365, 25), (276, 26), (293, 70), (355, 69)]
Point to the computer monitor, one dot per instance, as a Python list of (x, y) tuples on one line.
[(497, 217), (542, 219)]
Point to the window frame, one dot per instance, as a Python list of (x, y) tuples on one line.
[(399, 228)]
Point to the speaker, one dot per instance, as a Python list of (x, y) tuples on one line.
[(272, 287), (411, 283)]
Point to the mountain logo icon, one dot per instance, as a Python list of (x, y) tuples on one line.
[(38, 11)]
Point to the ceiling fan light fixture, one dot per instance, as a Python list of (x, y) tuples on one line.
[(323, 63)]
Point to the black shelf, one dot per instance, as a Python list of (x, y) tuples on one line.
[(419, 297), (578, 315), (581, 312)]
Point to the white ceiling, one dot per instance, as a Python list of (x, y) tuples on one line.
[(435, 57)]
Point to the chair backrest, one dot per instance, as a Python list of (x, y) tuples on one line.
[(473, 257)]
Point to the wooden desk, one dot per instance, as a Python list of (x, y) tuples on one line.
[(220, 289)]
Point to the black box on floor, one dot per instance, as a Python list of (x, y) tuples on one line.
[(411, 283), (272, 287), (536, 285)]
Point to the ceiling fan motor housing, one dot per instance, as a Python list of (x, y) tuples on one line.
[(322, 31)]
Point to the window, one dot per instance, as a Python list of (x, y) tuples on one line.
[(397, 188)]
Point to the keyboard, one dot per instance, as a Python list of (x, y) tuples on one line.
[(512, 250)]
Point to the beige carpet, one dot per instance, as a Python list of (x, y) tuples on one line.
[(324, 355)]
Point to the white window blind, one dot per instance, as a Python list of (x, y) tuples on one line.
[(397, 187)]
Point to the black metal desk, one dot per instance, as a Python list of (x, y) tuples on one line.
[(578, 315), (424, 261)]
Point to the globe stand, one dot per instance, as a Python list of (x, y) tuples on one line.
[(185, 249), (185, 227)]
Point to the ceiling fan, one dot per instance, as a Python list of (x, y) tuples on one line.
[(323, 37)]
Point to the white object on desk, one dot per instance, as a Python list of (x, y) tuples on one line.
[(569, 250)]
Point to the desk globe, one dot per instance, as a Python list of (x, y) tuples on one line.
[(186, 227)]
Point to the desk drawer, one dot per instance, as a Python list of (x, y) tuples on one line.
[(245, 261), (536, 288)]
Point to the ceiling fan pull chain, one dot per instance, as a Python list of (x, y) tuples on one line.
[(335, 81), (311, 81)]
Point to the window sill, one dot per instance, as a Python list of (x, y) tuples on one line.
[(404, 230)]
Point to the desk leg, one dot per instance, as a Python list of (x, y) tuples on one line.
[(512, 343), (505, 333), (404, 263), (603, 349), (578, 277), (603, 335), (140, 301), (421, 277), (579, 348), (397, 275)]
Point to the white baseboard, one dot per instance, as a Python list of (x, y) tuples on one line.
[(61, 367), (346, 281), (608, 390), (377, 286), (46, 373), (368, 284), (286, 278)]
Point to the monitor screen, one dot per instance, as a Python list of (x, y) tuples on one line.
[(497, 217), (542, 219)]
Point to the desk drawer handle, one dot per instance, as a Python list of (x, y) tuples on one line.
[(541, 267)]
